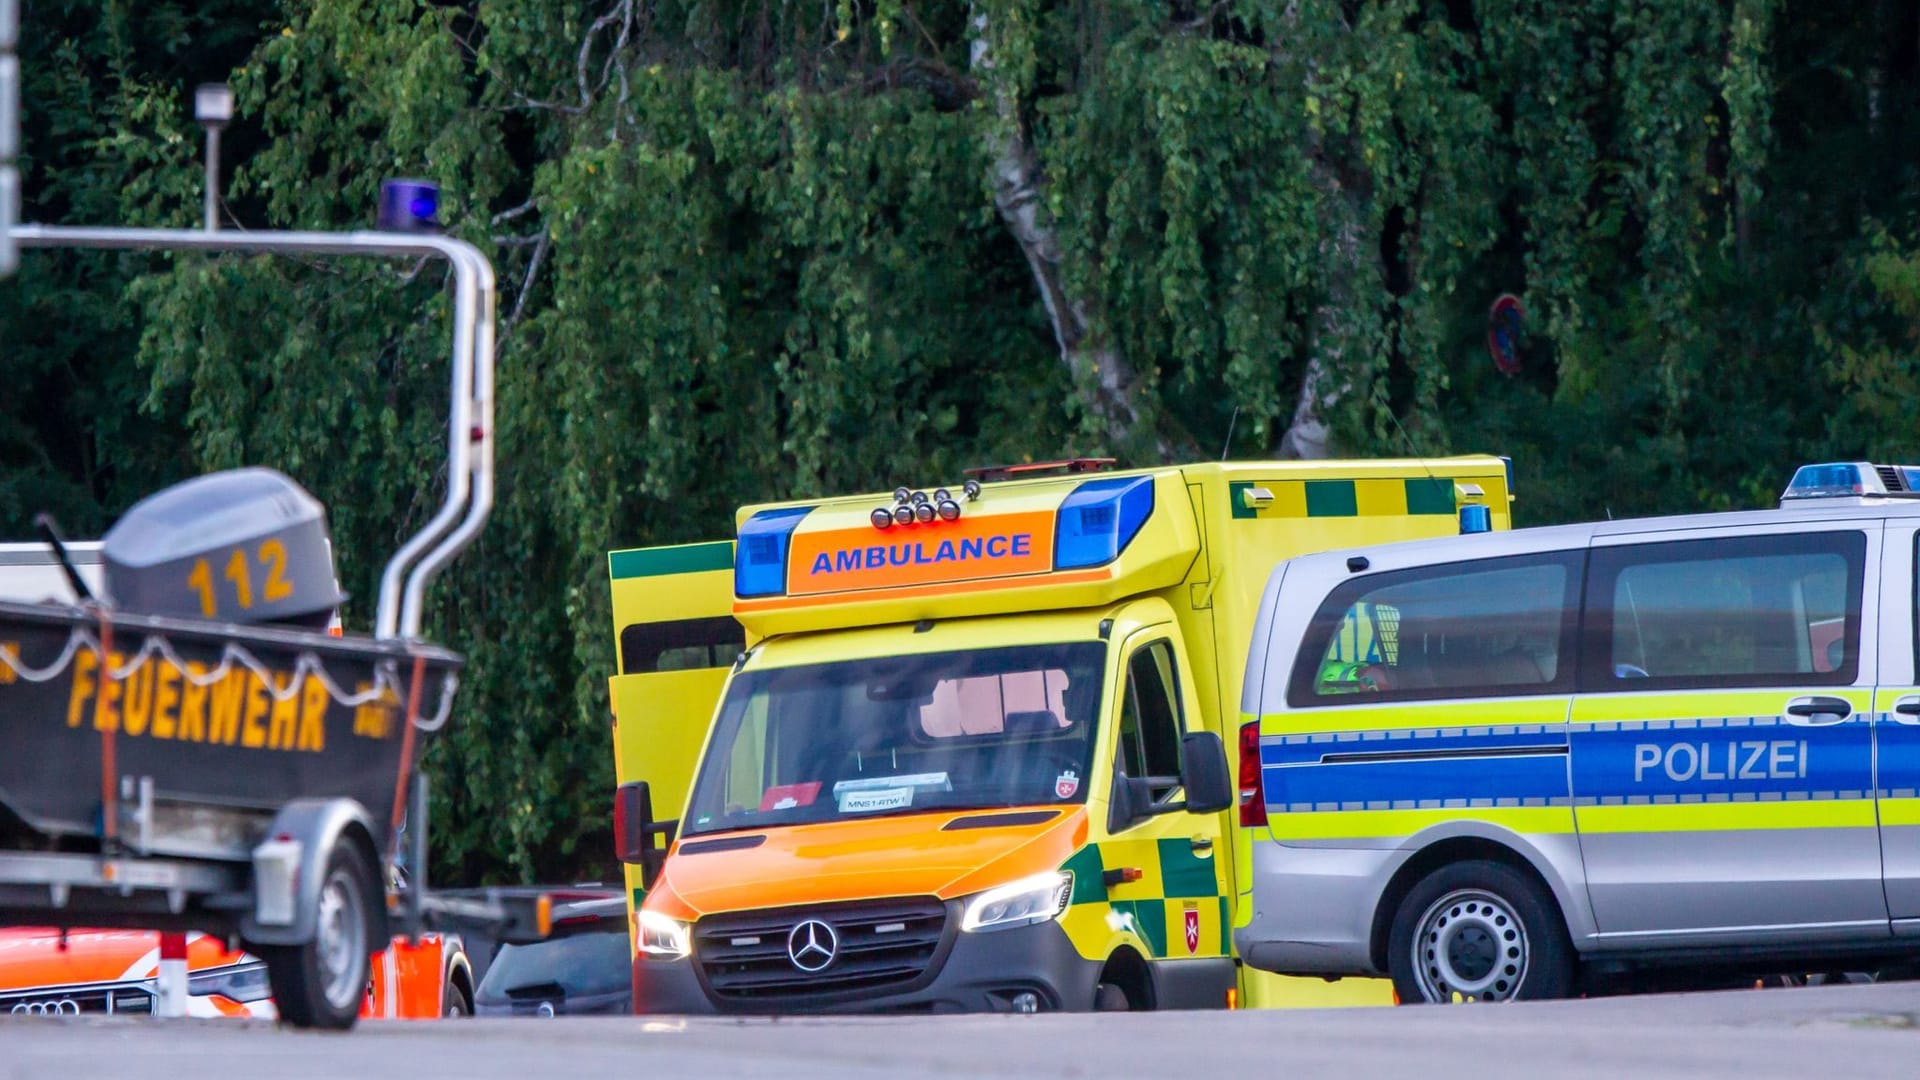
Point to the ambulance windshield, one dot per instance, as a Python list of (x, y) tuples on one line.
[(902, 734)]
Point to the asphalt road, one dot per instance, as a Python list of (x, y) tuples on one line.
[(1843, 1032)]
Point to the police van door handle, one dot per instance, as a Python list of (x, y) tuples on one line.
[(1906, 710), (1818, 711)]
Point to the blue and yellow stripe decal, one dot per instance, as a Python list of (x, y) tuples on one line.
[(1625, 775)]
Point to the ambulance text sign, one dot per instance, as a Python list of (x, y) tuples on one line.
[(972, 548)]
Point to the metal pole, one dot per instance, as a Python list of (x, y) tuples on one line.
[(469, 422), (9, 132), (170, 999), (413, 604), (212, 217)]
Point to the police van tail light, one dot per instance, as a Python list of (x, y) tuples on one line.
[(1253, 796)]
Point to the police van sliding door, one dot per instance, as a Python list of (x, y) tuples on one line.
[(1896, 718), (1722, 738)]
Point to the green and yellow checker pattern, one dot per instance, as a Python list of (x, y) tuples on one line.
[(1149, 914), (1415, 496)]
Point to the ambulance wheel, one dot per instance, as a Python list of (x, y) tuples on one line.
[(322, 983), (1109, 997), (1479, 931)]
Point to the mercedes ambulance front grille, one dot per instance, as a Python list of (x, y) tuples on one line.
[(749, 958), (73, 1001)]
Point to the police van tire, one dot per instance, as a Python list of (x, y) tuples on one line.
[(322, 983), (1479, 931)]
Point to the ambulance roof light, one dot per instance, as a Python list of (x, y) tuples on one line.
[(1099, 520), (760, 560), (988, 474)]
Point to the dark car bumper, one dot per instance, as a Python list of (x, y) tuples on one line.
[(972, 972), (619, 1003)]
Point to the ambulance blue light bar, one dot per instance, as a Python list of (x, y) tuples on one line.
[(760, 561), (1099, 520)]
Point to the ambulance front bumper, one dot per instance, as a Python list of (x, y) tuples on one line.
[(1021, 969)]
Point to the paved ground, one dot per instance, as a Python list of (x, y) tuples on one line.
[(1846, 1032)]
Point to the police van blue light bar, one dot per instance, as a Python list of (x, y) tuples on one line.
[(1826, 481), (760, 560), (1099, 520), (1853, 479)]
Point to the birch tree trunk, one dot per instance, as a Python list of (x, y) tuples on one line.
[(1109, 384), (1337, 324)]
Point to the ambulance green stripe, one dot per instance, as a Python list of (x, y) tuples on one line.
[(661, 562), (1429, 495), (1332, 498), (1088, 887), (1149, 921), (1184, 874)]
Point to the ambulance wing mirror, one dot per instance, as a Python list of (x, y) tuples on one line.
[(1203, 776), (1203, 772), (634, 830)]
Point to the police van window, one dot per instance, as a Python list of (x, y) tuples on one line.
[(1467, 629), (680, 645), (1778, 610), (1150, 719)]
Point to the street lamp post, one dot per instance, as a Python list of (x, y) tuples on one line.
[(213, 107), (9, 133)]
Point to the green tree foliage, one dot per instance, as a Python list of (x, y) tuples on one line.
[(752, 250)]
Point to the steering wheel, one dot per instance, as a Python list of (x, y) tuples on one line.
[(1374, 678), (1629, 671)]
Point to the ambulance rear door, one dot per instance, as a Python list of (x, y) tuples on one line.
[(675, 637)]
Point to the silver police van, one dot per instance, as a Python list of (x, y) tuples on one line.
[(1517, 764)]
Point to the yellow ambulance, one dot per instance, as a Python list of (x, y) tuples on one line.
[(976, 749)]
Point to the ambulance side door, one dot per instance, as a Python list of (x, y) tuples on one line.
[(676, 639), (1178, 904)]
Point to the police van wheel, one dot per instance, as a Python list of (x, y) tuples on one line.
[(1479, 931), (322, 983)]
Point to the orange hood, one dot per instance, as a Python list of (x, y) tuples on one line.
[(862, 859)]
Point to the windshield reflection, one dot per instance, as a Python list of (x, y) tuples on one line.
[(903, 734)]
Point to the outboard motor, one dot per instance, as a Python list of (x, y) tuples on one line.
[(241, 546)]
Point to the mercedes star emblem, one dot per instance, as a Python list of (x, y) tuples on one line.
[(812, 945)]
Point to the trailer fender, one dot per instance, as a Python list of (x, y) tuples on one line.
[(289, 862)]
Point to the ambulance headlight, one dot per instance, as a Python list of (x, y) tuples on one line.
[(949, 510), (1037, 899), (664, 936), (923, 512), (902, 514), (881, 517), (236, 982)]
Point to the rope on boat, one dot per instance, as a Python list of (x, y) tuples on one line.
[(385, 688)]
